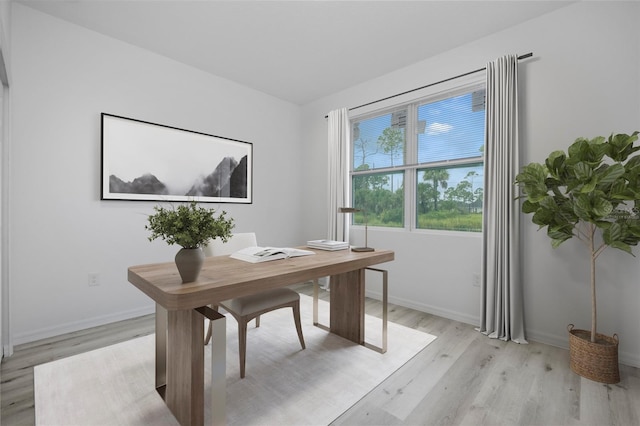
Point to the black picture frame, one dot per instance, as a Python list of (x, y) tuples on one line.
[(147, 161)]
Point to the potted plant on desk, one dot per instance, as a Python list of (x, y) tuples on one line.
[(591, 193), (191, 227)]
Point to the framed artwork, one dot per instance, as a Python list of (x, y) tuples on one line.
[(148, 161)]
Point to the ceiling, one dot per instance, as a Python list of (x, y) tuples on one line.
[(298, 51)]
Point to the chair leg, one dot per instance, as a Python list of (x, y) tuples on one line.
[(242, 343), (210, 329), (208, 336), (258, 321), (296, 318)]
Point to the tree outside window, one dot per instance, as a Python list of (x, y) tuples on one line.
[(438, 145)]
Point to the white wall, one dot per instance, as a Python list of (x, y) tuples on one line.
[(64, 77), (584, 80), (5, 25)]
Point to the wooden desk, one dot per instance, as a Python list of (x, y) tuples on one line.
[(180, 325)]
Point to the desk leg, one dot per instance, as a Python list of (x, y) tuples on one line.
[(218, 365), (385, 316), (346, 310), (219, 372), (185, 366), (316, 322), (315, 301), (161, 350), (347, 307)]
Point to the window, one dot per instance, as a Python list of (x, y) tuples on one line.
[(421, 164), (379, 143)]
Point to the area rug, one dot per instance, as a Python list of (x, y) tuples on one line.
[(284, 385)]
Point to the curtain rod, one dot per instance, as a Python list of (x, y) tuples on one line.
[(525, 56)]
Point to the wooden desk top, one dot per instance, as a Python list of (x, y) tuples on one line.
[(224, 278)]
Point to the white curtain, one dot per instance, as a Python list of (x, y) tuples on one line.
[(338, 173), (502, 314)]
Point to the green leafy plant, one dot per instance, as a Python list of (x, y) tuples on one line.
[(592, 193), (189, 226)]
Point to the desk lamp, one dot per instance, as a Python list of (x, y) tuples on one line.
[(354, 210)]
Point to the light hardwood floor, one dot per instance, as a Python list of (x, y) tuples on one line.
[(462, 378)]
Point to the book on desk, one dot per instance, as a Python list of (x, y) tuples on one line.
[(265, 254), (330, 245)]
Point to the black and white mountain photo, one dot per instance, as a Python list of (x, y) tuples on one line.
[(146, 161)]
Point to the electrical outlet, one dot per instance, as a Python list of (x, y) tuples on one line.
[(476, 280), (94, 280)]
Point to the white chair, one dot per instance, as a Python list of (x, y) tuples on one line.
[(246, 308)]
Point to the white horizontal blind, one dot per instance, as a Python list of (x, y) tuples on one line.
[(380, 141), (453, 128)]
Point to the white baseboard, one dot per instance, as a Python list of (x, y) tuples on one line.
[(56, 330), (562, 341), (630, 359), (7, 351), (434, 310), (559, 341)]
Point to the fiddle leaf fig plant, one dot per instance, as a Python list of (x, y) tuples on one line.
[(592, 193), (189, 226)]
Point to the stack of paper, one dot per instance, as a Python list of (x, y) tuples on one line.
[(328, 245)]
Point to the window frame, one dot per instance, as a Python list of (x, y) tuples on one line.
[(410, 165)]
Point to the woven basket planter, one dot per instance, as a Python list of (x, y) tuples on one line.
[(597, 361)]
